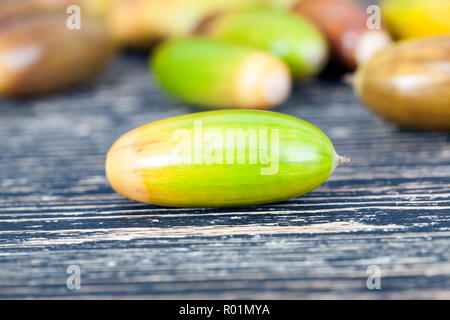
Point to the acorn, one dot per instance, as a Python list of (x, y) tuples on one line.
[(291, 38), (10, 9), (409, 83), (39, 54), (416, 18), (142, 23), (90, 8), (212, 73), (344, 24), (221, 159)]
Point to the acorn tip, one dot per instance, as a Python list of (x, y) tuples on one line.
[(343, 160)]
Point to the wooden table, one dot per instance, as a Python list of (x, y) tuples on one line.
[(387, 211)]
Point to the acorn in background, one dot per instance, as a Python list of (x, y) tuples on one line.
[(141, 23), (212, 73), (10, 9), (416, 18), (39, 54), (91, 8), (291, 38), (344, 23), (409, 83)]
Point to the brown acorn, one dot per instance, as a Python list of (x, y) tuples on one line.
[(40, 54), (344, 23), (409, 83)]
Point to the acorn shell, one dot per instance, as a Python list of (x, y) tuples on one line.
[(220, 159), (288, 36), (345, 25), (416, 18), (39, 54), (409, 83), (212, 73)]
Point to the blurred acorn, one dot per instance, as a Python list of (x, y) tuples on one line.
[(211, 73), (12, 8), (345, 25), (417, 18), (409, 83), (293, 39), (140, 23), (91, 8), (39, 54)]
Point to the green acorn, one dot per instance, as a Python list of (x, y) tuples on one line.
[(286, 35), (221, 159), (212, 73)]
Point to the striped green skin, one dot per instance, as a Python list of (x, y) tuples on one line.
[(200, 71), (306, 159), (293, 39)]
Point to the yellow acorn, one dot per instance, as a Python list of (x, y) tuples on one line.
[(417, 18)]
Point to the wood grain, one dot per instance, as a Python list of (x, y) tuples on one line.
[(389, 207)]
